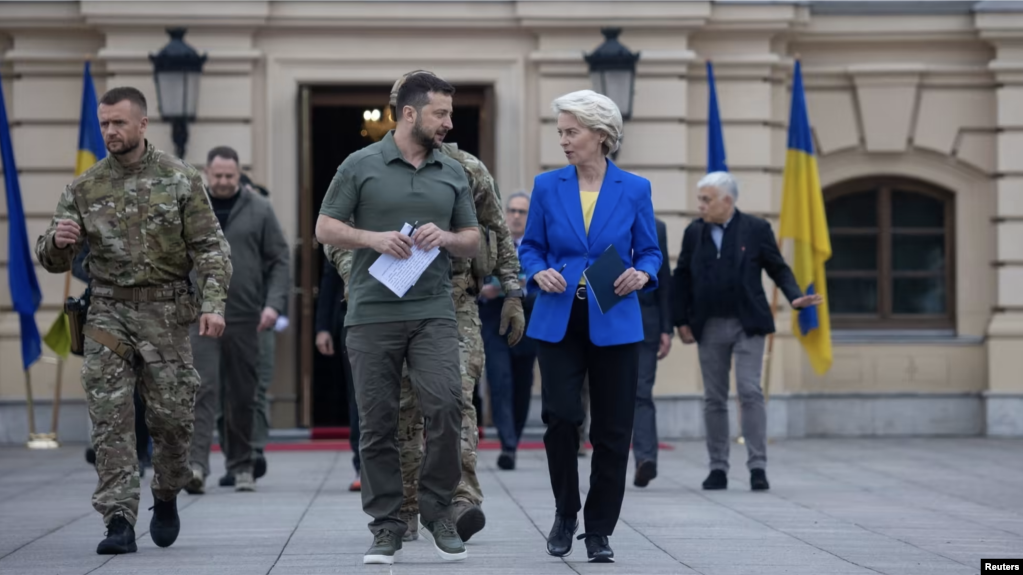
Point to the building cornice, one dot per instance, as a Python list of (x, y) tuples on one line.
[(1000, 26), (36, 15), (522, 14), (179, 12)]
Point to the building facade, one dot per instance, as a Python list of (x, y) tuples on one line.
[(916, 109)]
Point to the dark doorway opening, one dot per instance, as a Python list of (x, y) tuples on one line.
[(343, 120)]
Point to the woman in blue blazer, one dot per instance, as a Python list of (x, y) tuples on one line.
[(575, 214)]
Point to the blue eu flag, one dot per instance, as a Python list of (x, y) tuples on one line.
[(25, 293), (715, 136)]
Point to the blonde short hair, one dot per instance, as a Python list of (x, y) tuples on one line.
[(596, 112)]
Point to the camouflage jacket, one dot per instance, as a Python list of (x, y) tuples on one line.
[(487, 200), (146, 224)]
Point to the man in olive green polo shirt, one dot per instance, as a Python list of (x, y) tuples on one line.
[(405, 179)]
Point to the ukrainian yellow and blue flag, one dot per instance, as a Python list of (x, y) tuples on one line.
[(803, 219), (90, 150), (90, 137)]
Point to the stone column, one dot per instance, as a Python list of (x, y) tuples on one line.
[(1005, 332)]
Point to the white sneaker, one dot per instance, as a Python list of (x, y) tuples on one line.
[(244, 482), (386, 545)]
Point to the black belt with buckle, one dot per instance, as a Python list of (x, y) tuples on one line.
[(580, 292)]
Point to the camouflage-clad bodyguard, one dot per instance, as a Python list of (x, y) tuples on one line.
[(148, 223), (497, 257)]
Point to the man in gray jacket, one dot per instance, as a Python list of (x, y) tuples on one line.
[(227, 365)]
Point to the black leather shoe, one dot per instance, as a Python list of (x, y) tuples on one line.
[(120, 538), (645, 471), (165, 525), (227, 480), (597, 548), (258, 465), (716, 480), (758, 480), (506, 460), (559, 542)]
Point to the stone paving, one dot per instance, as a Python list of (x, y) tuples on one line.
[(836, 506)]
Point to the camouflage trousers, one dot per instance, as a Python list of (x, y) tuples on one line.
[(167, 381), (410, 418)]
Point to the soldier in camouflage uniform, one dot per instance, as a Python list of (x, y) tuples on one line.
[(497, 256), (148, 222)]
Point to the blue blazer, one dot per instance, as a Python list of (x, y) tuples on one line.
[(555, 235)]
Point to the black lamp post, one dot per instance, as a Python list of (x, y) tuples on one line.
[(177, 69), (613, 71)]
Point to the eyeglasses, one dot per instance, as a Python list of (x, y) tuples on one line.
[(517, 212)]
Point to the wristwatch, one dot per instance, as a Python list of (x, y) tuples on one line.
[(514, 293)]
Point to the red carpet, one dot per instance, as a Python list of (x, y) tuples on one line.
[(336, 445), (336, 439), (317, 433)]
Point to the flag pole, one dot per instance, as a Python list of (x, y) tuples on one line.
[(769, 351), (60, 368), (35, 440), (31, 407)]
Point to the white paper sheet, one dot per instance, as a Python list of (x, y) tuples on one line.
[(400, 275)]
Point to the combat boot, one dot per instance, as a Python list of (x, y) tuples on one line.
[(120, 538), (197, 484), (469, 519), (412, 521), (166, 524)]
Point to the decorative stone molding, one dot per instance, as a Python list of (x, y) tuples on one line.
[(180, 12), (887, 101), (651, 62), (639, 13), (237, 61)]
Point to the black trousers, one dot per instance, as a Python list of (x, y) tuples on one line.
[(613, 374), (509, 375), (353, 406)]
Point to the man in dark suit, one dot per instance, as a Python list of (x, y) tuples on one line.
[(331, 306), (509, 368), (720, 303), (657, 333)]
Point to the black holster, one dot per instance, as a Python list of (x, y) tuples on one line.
[(77, 310)]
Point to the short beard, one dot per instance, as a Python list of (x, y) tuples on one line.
[(128, 150), (421, 137)]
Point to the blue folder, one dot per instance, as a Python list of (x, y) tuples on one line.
[(601, 278)]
